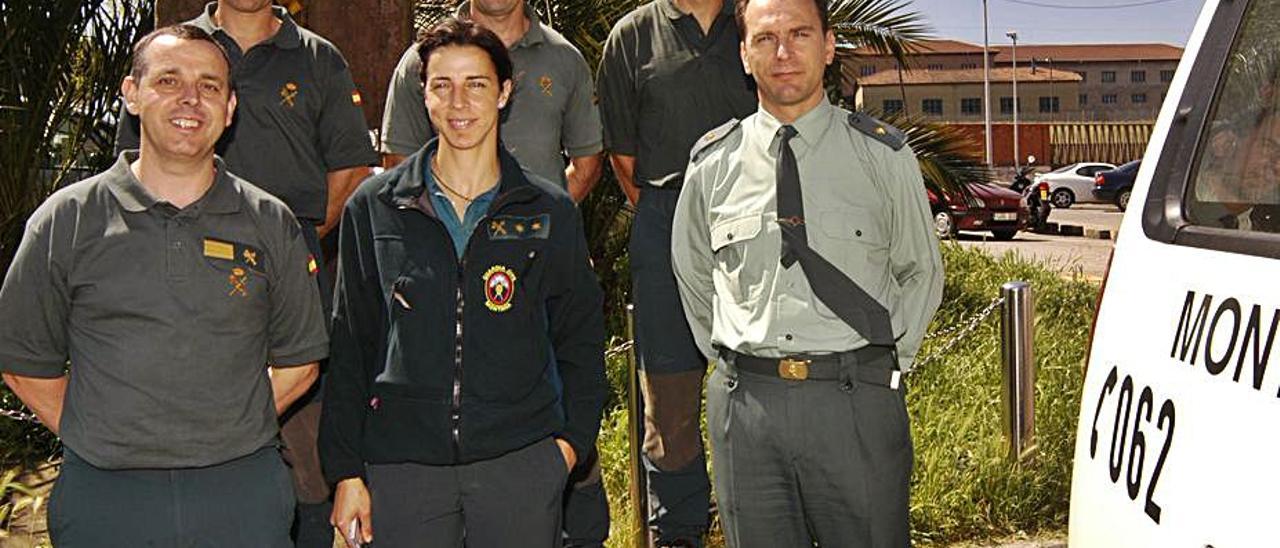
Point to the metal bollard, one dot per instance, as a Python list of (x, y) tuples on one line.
[(638, 490), (1017, 332)]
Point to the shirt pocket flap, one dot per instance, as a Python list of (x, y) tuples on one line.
[(856, 224), (733, 230)]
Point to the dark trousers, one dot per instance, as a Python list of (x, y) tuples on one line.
[(511, 500), (671, 379), (799, 462), (245, 502), (301, 427), (586, 508)]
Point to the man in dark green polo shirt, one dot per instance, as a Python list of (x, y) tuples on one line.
[(140, 315), (301, 135), (670, 72), (552, 113)]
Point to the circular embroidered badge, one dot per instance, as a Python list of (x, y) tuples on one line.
[(499, 287)]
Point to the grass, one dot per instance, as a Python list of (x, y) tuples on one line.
[(964, 487)]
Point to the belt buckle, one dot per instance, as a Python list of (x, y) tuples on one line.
[(793, 369)]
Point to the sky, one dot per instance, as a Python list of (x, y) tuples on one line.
[(1089, 21)]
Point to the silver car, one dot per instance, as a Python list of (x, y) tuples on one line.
[(1072, 183)]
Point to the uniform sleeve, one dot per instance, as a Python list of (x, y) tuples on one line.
[(575, 310), (914, 258), (342, 135), (581, 123), (127, 131), (691, 257), (35, 305), (405, 126), (297, 329), (618, 99), (357, 333)]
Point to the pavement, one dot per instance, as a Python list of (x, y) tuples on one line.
[(1080, 245)]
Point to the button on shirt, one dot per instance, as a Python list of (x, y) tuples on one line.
[(165, 317), (552, 108), (866, 211), (299, 115), (663, 83)]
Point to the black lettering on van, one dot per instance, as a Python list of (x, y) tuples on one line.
[(1216, 366), (1253, 333), (1187, 326)]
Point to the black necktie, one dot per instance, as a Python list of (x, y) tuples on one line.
[(790, 197), (842, 295)]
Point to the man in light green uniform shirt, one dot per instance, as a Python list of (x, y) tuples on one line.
[(808, 424)]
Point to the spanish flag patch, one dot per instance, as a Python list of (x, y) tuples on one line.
[(312, 267), (356, 99)]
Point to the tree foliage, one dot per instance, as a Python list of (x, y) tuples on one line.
[(61, 62)]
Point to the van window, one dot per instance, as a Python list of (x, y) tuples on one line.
[(1216, 181), (1235, 182)]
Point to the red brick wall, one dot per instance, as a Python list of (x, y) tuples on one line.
[(1033, 139)]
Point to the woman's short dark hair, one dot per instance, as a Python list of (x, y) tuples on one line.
[(456, 32)]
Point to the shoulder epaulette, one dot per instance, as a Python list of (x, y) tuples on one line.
[(711, 137), (891, 136)]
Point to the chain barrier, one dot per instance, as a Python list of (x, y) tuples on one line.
[(19, 416), (956, 333), (621, 348)]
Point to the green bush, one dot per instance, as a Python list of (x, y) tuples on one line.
[(964, 486)]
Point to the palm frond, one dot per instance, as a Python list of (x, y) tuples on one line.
[(944, 152), (887, 27)]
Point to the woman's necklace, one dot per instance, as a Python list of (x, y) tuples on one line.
[(435, 171)]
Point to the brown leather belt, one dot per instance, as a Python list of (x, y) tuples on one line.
[(870, 364)]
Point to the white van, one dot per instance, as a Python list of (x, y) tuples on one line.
[(1178, 442)]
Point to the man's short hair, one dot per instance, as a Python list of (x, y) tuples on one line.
[(456, 32), (740, 6), (182, 31)]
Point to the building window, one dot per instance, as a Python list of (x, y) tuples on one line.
[(931, 106), (1084, 99), (867, 70), (968, 66), (1138, 76), (1006, 105), (1109, 99), (1166, 76), (971, 105), (1138, 98), (935, 66), (1108, 76), (1048, 104), (892, 106)]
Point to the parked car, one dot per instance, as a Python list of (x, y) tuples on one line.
[(988, 207), (1072, 183), (1114, 186)]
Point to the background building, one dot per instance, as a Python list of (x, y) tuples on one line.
[(1115, 82), (955, 95)]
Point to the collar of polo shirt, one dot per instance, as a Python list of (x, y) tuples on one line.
[(531, 37), (669, 9), (134, 198), (287, 37)]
